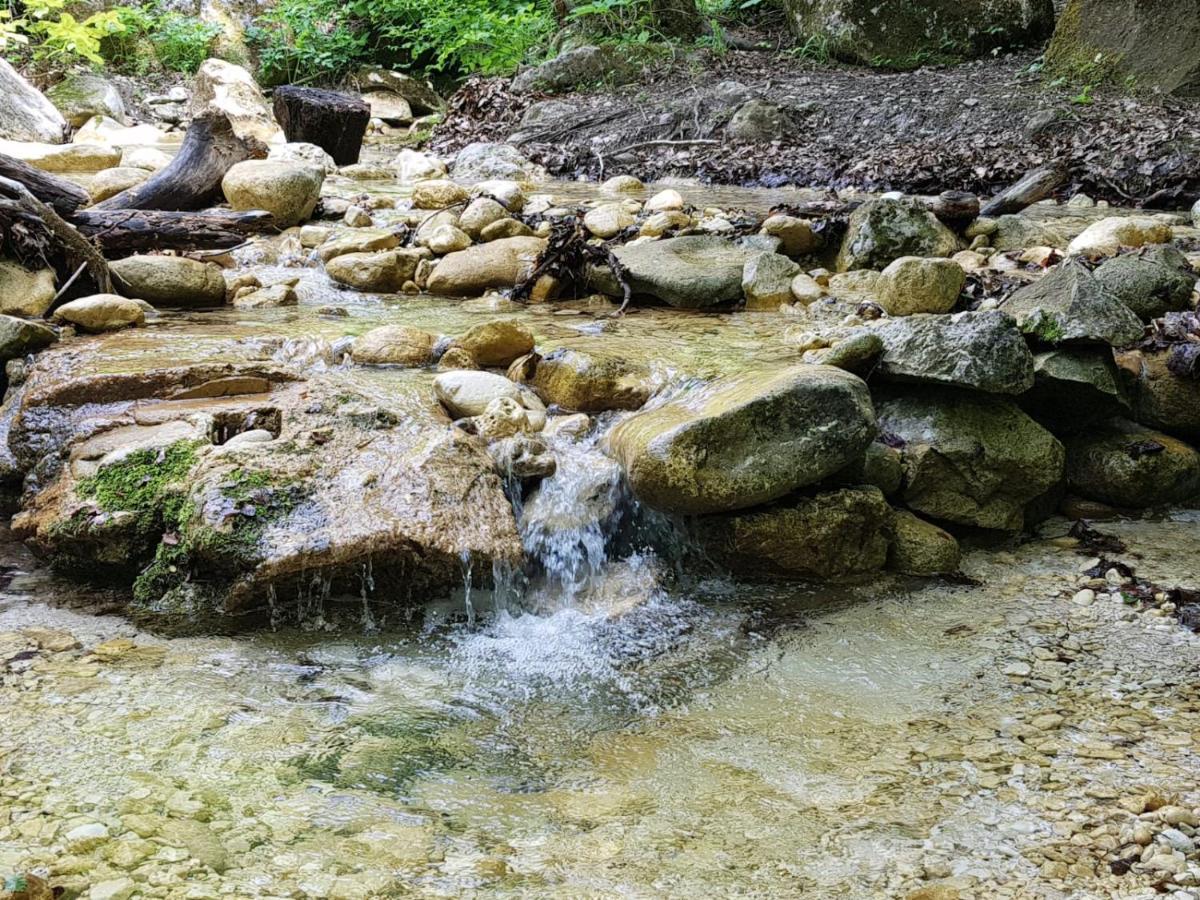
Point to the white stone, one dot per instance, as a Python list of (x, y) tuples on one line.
[(665, 201), (227, 88), (25, 114)]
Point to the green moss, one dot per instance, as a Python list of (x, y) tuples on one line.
[(1045, 328), (138, 482)]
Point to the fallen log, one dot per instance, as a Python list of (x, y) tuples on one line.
[(192, 180), (334, 122), (31, 224), (1037, 185), (122, 231), (61, 195)]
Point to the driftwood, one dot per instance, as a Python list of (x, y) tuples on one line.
[(334, 122), (192, 180), (1037, 185), (568, 256), (31, 225), (61, 195), (134, 230), (957, 209)]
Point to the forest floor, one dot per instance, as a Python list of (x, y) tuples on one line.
[(976, 127)]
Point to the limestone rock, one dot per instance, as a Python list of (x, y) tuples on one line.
[(438, 194), (25, 293), (223, 87), (288, 191), (393, 345), (666, 200), (1130, 466), (101, 312), (169, 280), (590, 382), (920, 547), (110, 182), (303, 154), (360, 241), (479, 214), (446, 239), (482, 161), (767, 281), (1074, 388), (25, 114), (608, 220), (411, 166), (67, 158), (758, 122), (983, 351), (497, 343), (496, 264), (419, 93), (271, 297), (1151, 283), (795, 233), (82, 95), (835, 535), (915, 285), (1108, 236), (971, 459), (389, 106), (746, 440), (108, 131), (690, 272), (465, 394), (1162, 398), (19, 337), (881, 231), (581, 67), (1068, 305)]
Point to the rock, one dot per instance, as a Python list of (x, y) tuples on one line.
[(1074, 388), (505, 228), (1130, 466), (482, 161), (581, 67), (971, 459), (590, 382), (496, 264), (1017, 232), (19, 337), (856, 353), (357, 217), (101, 312), (390, 107), (438, 194), (82, 95), (25, 293), (1108, 236), (110, 132), (446, 239), (920, 547), (864, 32), (796, 234), (25, 114), (110, 182), (419, 93), (607, 221), (767, 281), (1158, 48), (1068, 305), (915, 285), (113, 889), (1196, 214), (983, 351), (226, 88), (361, 241), (880, 465), (758, 122), (660, 223), (667, 200), (1151, 283), (805, 289), (497, 343), (412, 166), (881, 231), (622, 184), (384, 272), (271, 297), (149, 158), (288, 191), (690, 272), (69, 158), (303, 154), (523, 457), (835, 535), (394, 345), (508, 194), (479, 214), (169, 280), (1162, 398), (503, 418), (466, 394), (746, 440)]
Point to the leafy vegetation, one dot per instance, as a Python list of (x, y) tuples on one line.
[(54, 35)]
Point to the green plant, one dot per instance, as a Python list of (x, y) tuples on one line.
[(1084, 97), (56, 35), (182, 43), (817, 48)]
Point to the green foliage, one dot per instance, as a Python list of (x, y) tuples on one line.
[(55, 35), (138, 482), (817, 48), (309, 40), (182, 43)]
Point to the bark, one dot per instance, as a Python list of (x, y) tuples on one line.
[(192, 180), (334, 122), (1037, 185), (124, 231), (58, 244), (61, 195)]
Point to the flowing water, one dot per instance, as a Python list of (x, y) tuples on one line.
[(605, 724)]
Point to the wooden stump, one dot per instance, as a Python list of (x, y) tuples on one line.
[(61, 195), (334, 122)]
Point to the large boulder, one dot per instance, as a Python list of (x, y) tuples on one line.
[(496, 264), (835, 535), (882, 231), (1068, 305), (970, 459), (920, 547), (421, 96), (745, 440), (226, 88), (691, 272), (288, 191), (82, 95), (497, 343), (767, 281), (911, 285), (25, 114), (169, 281), (1108, 236), (1162, 396), (25, 293), (208, 533), (382, 272), (1152, 283), (394, 345), (1155, 44), (1130, 466), (910, 34), (68, 158), (589, 382), (19, 337), (1074, 387), (578, 68), (983, 351), (481, 161)]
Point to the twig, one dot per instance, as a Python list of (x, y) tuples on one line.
[(70, 281)]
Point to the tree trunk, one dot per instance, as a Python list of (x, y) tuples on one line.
[(677, 19), (122, 231), (61, 195), (1037, 185), (334, 122), (192, 180)]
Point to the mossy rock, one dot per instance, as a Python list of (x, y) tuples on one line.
[(1130, 466)]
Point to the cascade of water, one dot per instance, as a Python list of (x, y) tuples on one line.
[(367, 587)]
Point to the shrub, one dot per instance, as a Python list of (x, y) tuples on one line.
[(182, 43)]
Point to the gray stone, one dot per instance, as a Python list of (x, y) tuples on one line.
[(767, 281), (920, 547), (1074, 388), (82, 95), (481, 161), (691, 272), (1128, 465), (18, 337), (25, 293), (881, 231), (1068, 305), (585, 66), (288, 191), (26, 115), (759, 122), (983, 351), (169, 280), (1151, 282), (421, 96)]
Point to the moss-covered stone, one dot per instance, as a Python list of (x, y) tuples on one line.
[(1127, 465)]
